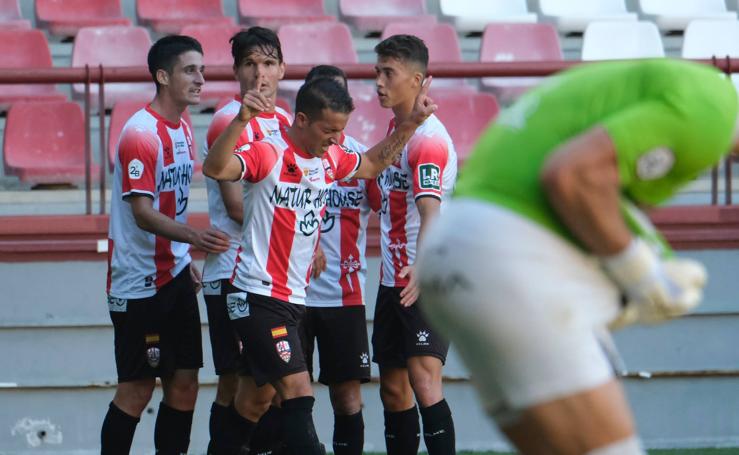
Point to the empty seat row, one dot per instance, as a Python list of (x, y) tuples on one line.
[(65, 17), (55, 151)]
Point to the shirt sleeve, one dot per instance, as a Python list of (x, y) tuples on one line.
[(427, 158), (659, 147), (138, 150), (220, 121), (257, 160), (347, 162)]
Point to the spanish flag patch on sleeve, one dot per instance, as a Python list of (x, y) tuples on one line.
[(279, 332)]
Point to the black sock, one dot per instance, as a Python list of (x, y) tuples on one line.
[(299, 433), (223, 434), (267, 436), (348, 434), (402, 432), (172, 430), (116, 435), (242, 428), (438, 429)]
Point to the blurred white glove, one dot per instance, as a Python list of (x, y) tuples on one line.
[(656, 289)]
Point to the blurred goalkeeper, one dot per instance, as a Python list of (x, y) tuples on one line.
[(542, 248)]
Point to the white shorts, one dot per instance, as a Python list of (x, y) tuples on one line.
[(525, 308)]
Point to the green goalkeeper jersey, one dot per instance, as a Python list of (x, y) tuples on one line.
[(669, 120)]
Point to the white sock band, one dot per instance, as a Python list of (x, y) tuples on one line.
[(629, 446)]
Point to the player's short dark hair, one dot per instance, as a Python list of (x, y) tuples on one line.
[(164, 53), (325, 72), (260, 39), (406, 48), (319, 94)]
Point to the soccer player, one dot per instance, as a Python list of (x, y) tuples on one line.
[(335, 312), (409, 352), (528, 264), (152, 283), (287, 180), (258, 65)]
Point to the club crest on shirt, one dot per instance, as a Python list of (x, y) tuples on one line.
[(655, 163), (135, 169), (283, 350), (153, 356)]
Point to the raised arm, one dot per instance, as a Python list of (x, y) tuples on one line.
[(221, 164), (382, 155)]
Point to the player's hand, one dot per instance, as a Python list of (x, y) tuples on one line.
[(196, 277), (656, 289), (212, 241), (424, 106), (252, 104), (319, 263), (409, 294)]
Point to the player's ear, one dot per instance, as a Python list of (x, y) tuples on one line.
[(301, 120), (282, 70), (162, 77)]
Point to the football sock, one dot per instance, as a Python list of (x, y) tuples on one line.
[(402, 432), (348, 434), (223, 433), (116, 435), (172, 430), (299, 433), (438, 429), (267, 435), (243, 428)]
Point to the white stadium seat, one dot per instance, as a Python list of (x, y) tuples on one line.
[(474, 15), (573, 16), (704, 39), (621, 40), (676, 14)]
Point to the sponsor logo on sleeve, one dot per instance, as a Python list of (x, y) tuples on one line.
[(655, 163), (429, 177), (237, 306), (243, 148), (135, 169)]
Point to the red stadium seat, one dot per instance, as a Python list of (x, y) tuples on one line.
[(217, 52), (45, 142), (369, 122), (517, 42), (25, 49), (10, 15), (465, 115), (65, 17), (375, 15), (272, 14), (112, 46), (122, 111), (169, 16)]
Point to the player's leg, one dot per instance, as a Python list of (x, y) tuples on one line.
[(545, 391), (344, 360), (425, 374), (182, 337), (136, 376), (583, 423), (402, 429), (225, 348)]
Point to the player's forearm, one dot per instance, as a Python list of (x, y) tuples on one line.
[(216, 164), (231, 193), (428, 209), (386, 152), (164, 226)]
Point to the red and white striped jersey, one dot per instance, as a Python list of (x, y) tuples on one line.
[(155, 158), (426, 168), (220, 266), (343, 240), (286, 189)]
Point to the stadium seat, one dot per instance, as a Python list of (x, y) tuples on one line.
[(169, 16), (465, 115), (45, 142), (372, 17), (25, 49), (676, 14), (10, 15), (65, 17), (122, 111), (517, 43), (272, 14), (299, 47), (369, 122), (112, 46), (473, 15), (217, 52), (704, 39), (635, 40), (573, 16)]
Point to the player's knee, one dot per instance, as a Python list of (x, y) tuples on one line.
[(133, 397), (182, 393), (346, 398), (294, 386), (226, 389), (426, 386), (396, 395)]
